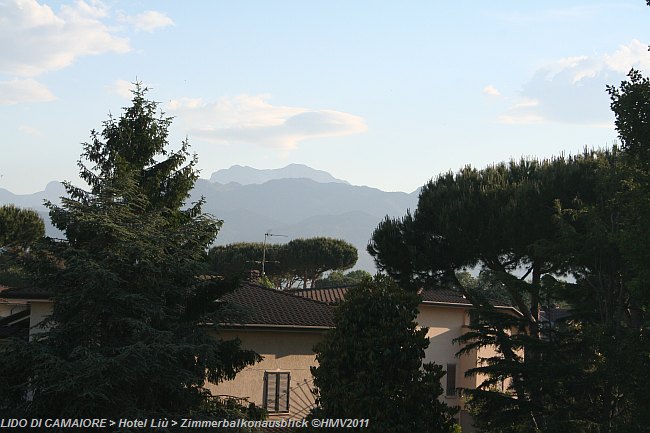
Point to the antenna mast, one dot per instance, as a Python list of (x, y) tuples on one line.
[(266, 236)]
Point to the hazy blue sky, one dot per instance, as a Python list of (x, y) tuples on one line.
[(386, 94)]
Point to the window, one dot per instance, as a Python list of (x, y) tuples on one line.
[(451, 380), (276, 391)]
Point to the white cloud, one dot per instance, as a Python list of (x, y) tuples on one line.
[(28, 90), (251, 119), (572, 89), (149, 21), (630, 56), (491, 90), (36, 39)]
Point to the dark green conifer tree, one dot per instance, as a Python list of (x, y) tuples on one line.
[(130, 286), (370, 364)]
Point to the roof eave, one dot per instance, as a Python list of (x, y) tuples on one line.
[(263, 326), (446, 304), (11, 300), (462, 305)]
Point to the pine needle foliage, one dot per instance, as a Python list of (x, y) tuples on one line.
[(370, 365), (569, 231), (130, 286)]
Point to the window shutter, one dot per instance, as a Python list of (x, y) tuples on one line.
[(283, 392), (270, 392), (276, 391), (451, 380)]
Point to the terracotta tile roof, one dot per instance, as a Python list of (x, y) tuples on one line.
[(334, 295), (329, 295), (269, 307), (261, 306), (444, 296)]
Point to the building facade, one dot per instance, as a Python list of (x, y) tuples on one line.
[(284, 327)]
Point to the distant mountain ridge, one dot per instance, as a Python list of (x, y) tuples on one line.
[(295, 207), (245, 175)]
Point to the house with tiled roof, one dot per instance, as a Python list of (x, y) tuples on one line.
[(279, 326), (284, 327), (446, 313)]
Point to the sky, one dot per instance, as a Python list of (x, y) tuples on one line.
[(379, 93)]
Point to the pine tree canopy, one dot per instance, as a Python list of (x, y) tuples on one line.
[(571, 231)]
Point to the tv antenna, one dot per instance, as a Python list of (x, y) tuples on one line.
[(266, 236)]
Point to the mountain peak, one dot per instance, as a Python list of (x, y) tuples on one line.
[(245, 175)]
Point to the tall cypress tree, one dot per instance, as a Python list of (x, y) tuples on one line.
[(130, 285)]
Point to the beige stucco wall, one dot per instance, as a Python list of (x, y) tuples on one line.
[(282, 350), (39, 310), (446, 323)]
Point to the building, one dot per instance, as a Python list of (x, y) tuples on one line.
[(446, 314), (283, 327)]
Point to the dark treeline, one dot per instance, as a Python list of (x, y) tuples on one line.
[(570, 232)]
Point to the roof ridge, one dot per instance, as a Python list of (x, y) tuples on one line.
[(313, 289)]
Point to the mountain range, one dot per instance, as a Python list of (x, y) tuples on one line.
[(248, 175), (295, 201)]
